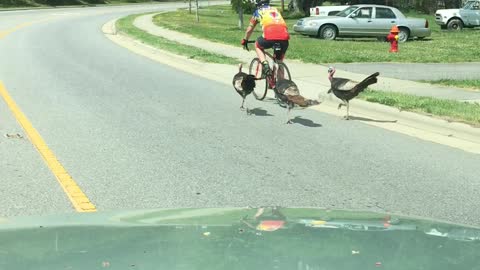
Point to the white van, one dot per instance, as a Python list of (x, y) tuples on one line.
[(326, 10)]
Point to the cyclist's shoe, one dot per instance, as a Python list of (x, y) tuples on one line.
[(266, 71)]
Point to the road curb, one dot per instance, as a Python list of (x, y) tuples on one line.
[(458, 135)]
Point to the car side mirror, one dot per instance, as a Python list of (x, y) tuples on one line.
[(353, 15), (476, 7)]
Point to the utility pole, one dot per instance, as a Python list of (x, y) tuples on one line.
[(190, 6)]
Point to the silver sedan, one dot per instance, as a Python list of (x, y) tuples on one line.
[(363, 21)]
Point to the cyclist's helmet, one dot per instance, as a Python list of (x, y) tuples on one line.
[(260, 3)]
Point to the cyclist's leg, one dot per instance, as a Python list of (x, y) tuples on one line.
[(260, 54), (281, 56), (260, 47)]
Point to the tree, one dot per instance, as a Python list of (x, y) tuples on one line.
[(196, 11), (241, 7), (302, 7), (297, 6)]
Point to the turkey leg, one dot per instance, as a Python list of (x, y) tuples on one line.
[(289, 107), (348, 111)]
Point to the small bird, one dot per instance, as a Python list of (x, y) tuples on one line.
[(287, 91), (346, 89), (244, 84)]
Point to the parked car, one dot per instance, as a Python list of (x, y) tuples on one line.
[(326, 10), (456, 19), (363, 21)]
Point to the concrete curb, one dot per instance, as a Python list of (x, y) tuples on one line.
[(458, 135)]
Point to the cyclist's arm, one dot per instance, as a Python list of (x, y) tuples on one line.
[(251, 26)]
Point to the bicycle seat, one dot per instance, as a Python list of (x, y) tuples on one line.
[(277, 49)]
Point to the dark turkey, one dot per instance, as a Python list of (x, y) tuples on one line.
[(287, 91), (346, 89), (243, 84)]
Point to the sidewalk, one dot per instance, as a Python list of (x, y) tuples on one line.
[(312, 75), (418, 71)]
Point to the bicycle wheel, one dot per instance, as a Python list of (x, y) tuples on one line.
[(255, 69), (282, 73)]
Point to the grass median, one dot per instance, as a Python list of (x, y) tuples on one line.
[(219, 23), (125, 25), (450, 110), (473, 85)]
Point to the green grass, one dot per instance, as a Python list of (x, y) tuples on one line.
[(219, 23), (469, 84), (125, 25), (450, 110)]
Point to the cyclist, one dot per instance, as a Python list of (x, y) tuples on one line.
[(274, 31)]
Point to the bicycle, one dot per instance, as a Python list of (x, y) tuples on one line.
[(278, 68)]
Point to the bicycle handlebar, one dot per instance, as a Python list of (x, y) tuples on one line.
[(246, 44)]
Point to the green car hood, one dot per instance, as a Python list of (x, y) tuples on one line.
[(233, 238)]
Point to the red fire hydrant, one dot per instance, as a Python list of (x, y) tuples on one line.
[(393, 39)]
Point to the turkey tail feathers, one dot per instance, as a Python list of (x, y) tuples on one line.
[(372, 79), (303, 102)]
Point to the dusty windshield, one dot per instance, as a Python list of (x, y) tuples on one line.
[(112, 107)]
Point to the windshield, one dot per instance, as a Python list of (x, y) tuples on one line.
[(347, 11), (471, 5)]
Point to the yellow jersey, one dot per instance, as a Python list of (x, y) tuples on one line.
[(273, 25)]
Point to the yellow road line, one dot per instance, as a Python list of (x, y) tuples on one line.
[(79, 200), (20, 26), (13, 29)]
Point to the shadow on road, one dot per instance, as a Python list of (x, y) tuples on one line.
[(371, 120), (305, 122), (259, 112)]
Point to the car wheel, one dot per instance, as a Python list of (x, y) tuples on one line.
[(403, 35), (455, 24), (328, 32)]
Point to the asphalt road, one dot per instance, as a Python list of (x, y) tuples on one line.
[(137, 134)]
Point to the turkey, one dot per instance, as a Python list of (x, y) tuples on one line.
[(243, 84), (287, 91), (346, 89)]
